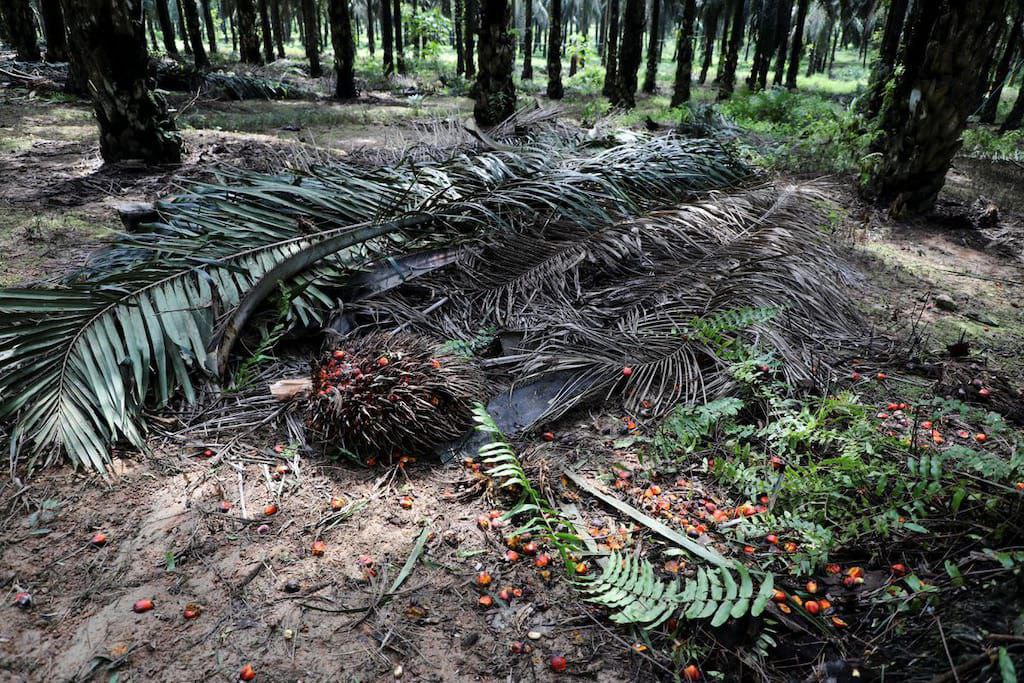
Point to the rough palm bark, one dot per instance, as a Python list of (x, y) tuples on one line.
[(344, 49), (248, 36), (764, 44), (211, 30), (163, 17), (630, 54), (387, 38), (922, 118), (186, 44), (21, 29), (653, 50), (495, 92), (612, 52), (727, 80), (887, 53), (108, 45), (1002, 72), (796, 48), (711, 14), (53, 29), (555, 89), (684, 61), (528, 42), (309, 20), (195, 33), (469, 38)]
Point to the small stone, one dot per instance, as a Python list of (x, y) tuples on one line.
[(291, 586), (534, 635), (398, 671), (944, 302), (289, 634)]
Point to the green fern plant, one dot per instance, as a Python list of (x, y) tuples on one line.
[(629, 588)]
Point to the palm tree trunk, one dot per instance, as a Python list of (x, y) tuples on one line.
[(344, 49), (630, 54), (710, 32), (370, 40), (469, 35), (186, 43), (495, 92), (458, 24), (211, 29), (528, 42), (798, 43), (612, 53), (53, 29), (782, 40), (653, 50), (727, 81), (21, 29), (277, 20), (396, 15), (684, 62), (888, 51), (108, 45), (555, 90), (946, 44), (248, 36), (764, 45), (387, 38), (265, 31), (195, 33), (991, 105), (309, 20), (1015, 118), (163, 17)]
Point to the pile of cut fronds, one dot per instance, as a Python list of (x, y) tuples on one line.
[(135, 328), (391, 394)]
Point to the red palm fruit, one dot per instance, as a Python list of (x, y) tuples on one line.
[(548, 436), (337, 503), (319, 548), (812, 607), (855, 376), (406, 503), (812, 587), (226, 505), (778, 596), (511, 556), (530, 548), (899, 569), (838, 623), (772, 538), (485, 601), (143, 605), (191, 611), (627, 371), (542, 560), (691, 673), (980, 437), (99, 539), (270, 509), (483, 579), (382, 362), (247, 673), (558, 663), (279, 448)]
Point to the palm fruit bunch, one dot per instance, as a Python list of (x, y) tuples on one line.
[(383, 395)]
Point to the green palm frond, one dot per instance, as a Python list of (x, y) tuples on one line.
[(139, 324)]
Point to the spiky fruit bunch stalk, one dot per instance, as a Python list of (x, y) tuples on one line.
[(382, 395)]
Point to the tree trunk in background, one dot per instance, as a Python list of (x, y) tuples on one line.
[(528, 42), (248, 37), (495, 92), (387, 38), (396, 15), (630, 54), (344, 49), (370, 40), (764, 45), (1015, 118), (163, 17), (612, 53), (53, 29), (991, 106), (149, 27), (888, 52), (278, 27), (469, 35), (458, 24), (684, 62), (195, 33), (21, 29), (798, 43), (108, 45), (186, 43), (710, 31), (782, 39), (211, 30), (555, 89), (309, 20), (265, 30), (653, 51), (727, 81), (945, 46)]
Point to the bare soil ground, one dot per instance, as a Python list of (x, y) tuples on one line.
[(170, 542)]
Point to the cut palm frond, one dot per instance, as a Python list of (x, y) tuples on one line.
[(138, 325)]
